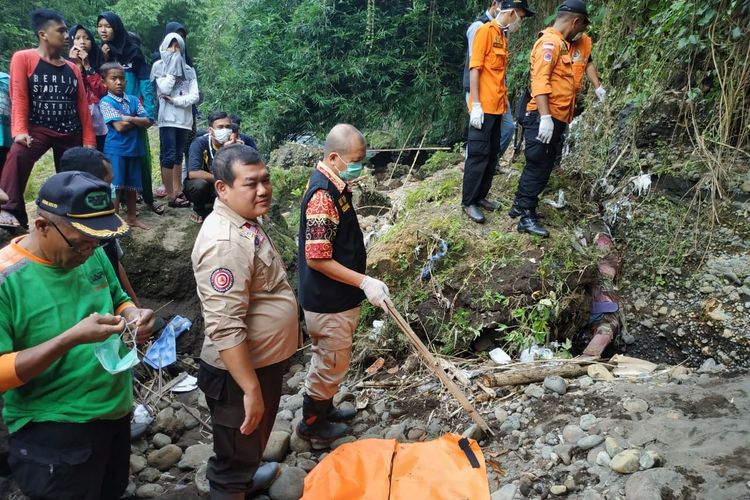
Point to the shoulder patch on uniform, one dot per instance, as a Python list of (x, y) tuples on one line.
[(222, 280), (548, 56), (548, 45)]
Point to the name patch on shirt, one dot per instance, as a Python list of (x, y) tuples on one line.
[(222, 280), (498, 43), (252, 232)]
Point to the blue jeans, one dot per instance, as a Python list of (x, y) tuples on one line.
[(506, 131)]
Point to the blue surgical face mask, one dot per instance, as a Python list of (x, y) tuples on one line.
[(108, 354), (353, 170)]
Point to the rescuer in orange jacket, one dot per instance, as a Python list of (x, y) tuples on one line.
[(553, 92)]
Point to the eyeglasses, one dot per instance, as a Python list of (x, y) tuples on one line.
[(67, 241)]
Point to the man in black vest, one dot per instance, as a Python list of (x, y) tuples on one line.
[(332, 283)]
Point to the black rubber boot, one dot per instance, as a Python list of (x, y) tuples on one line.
[(339, 415), (488, 204), (474, 214), (530, 224), (515, 212), (315, 426)]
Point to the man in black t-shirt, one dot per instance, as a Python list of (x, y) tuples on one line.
[(199, 183)]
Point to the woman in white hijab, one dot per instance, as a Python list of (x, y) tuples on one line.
[(177, 88)]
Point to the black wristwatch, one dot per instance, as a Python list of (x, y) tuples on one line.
[(91, 71)]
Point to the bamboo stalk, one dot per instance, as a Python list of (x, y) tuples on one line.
[(432, 363)]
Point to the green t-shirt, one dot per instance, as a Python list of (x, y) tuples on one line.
[(39, 301)]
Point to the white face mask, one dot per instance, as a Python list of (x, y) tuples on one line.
[(513, 26), (222, 135)]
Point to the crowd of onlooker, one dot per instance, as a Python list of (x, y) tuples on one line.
[(101, 91)]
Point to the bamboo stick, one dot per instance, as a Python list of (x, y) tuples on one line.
[(432, 363)]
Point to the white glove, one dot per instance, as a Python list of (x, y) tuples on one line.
[(376, 291), (546, 129), (601, 93), (477, 116)]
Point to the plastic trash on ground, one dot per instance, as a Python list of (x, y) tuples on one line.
[(499, 356), (434, 259), (377, 327), (163, 352), (535, 352), (141, 415), (187, 384)]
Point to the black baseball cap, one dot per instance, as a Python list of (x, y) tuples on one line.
[(517, 4), (574, 6), (85, 202)]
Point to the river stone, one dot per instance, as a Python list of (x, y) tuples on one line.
[(137, 464), (195, 456), (598, 372), (306, 464), (572, 433), (187, 419), (161, 440), (513, 423), (563, 451), (500, 414), (558, 489), (534, 391), (165, 458), (650, 459), (150, 491), (289, 485), (149, 475), (587, 421), (656, 484), (344, 440), (588, 442), (626, 462), (201, 482), (635, 405), (167, 422), (613, 446), (294, 403), (507, 492), (602, 458), (299, 445), (556, 384), (277, 447)]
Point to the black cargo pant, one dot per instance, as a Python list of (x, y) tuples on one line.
[(64, 461), (482, 151), (540, 160), (201, 194), (238, 456)]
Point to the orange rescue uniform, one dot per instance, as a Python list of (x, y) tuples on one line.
[(489, 54), (581, 51), (552, 75)]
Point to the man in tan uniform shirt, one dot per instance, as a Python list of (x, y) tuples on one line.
[(251, 323)]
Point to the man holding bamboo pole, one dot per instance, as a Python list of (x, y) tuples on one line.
[(332, 283)]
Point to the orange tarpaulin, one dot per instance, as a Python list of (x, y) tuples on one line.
[(448, 468)]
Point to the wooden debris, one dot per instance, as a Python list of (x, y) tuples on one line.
[(375, 366), (534, 373), (631, 367), (432, 363), (453, 371)]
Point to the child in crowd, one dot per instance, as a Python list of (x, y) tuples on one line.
[(85, 53), (96, 163), (124, 116)]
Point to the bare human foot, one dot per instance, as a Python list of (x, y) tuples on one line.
[(138, 223)]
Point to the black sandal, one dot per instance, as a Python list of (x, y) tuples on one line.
[(179, 203)]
